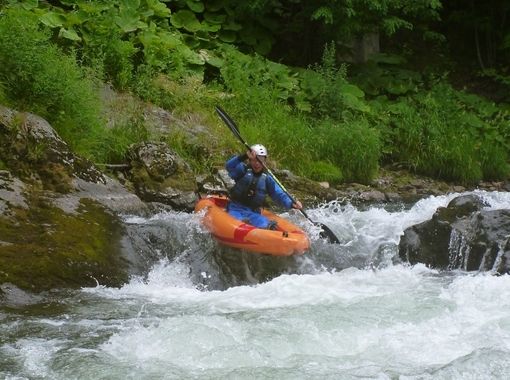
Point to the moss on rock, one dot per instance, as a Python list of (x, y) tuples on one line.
[(43, 247)]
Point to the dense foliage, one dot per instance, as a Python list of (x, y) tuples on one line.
[(279, 67)]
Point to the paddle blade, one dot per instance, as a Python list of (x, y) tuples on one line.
[(327, 234), (230, 123)]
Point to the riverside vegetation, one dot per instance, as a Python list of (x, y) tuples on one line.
[(327, 121), (322, 118)]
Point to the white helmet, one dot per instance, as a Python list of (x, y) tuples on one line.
[(260, 150)]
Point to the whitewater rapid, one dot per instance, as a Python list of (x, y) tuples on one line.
[(384, 320)]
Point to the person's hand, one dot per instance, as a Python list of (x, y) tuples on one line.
[(251, 155), (297, 205)]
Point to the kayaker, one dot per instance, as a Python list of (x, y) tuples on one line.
[(251, 187)]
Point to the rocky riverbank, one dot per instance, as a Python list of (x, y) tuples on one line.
[(60, 224)]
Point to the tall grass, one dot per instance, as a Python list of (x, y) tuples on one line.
[(436, 134), (38, 77)]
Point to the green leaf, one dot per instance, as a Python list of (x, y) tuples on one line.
[(353, 102), (231, 25), (227, 36), (127, 24), (211, 58), (208, 27), (192, 57), (127, 20), (52, 19), (185, 19), (195, 6), (351, 89), (30, 4), (160, 9), (214, 18), (169, 40), (70, 34), (324, 13), (130, 5), (215, 5), (77, 18)]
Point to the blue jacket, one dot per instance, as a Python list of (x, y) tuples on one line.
[(250, 188)]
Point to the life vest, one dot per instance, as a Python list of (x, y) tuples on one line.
[(250, 190)]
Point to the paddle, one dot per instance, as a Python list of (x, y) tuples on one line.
[(326, 232)]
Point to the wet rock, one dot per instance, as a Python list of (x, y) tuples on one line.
[(466, 205), (12, 296), (462, 235), (160, 175), (373, 196), (393, 197)]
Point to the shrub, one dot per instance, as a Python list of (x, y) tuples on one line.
[(353, 147), (445, 134), (38, 77), (325, 91)]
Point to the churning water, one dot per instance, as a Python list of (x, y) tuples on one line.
[(345, 312)]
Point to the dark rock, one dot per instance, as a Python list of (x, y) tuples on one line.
[(462, 235), (466, 204), (160, 175), (157, 159), (427, 243)]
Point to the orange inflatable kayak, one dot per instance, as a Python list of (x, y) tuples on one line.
[(287, 240)]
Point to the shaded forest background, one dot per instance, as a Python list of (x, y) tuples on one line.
[(335, 88)]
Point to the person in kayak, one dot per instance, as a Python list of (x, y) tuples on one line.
[(252, 186)]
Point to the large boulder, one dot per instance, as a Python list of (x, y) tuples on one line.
[(160, 175), (462, 235), (59, 223)]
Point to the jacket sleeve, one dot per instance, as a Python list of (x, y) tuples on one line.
[(236, 167), (277, 194)]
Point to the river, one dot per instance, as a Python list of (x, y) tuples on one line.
[(351, 311)]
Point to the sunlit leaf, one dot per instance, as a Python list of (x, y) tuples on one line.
[(52, 19), (77, 18), (351, 89), (185, 19), (211, 58), (193, 57), (159, 8), (323, 13), (69, 34), (30, 4), (195, 6), (355, 103), (127, 20), (169, 40), (208, 27)]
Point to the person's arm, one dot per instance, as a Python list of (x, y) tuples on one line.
[(279, 196), (235, 166)]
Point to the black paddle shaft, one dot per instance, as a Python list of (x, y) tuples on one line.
[(326, 231)]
